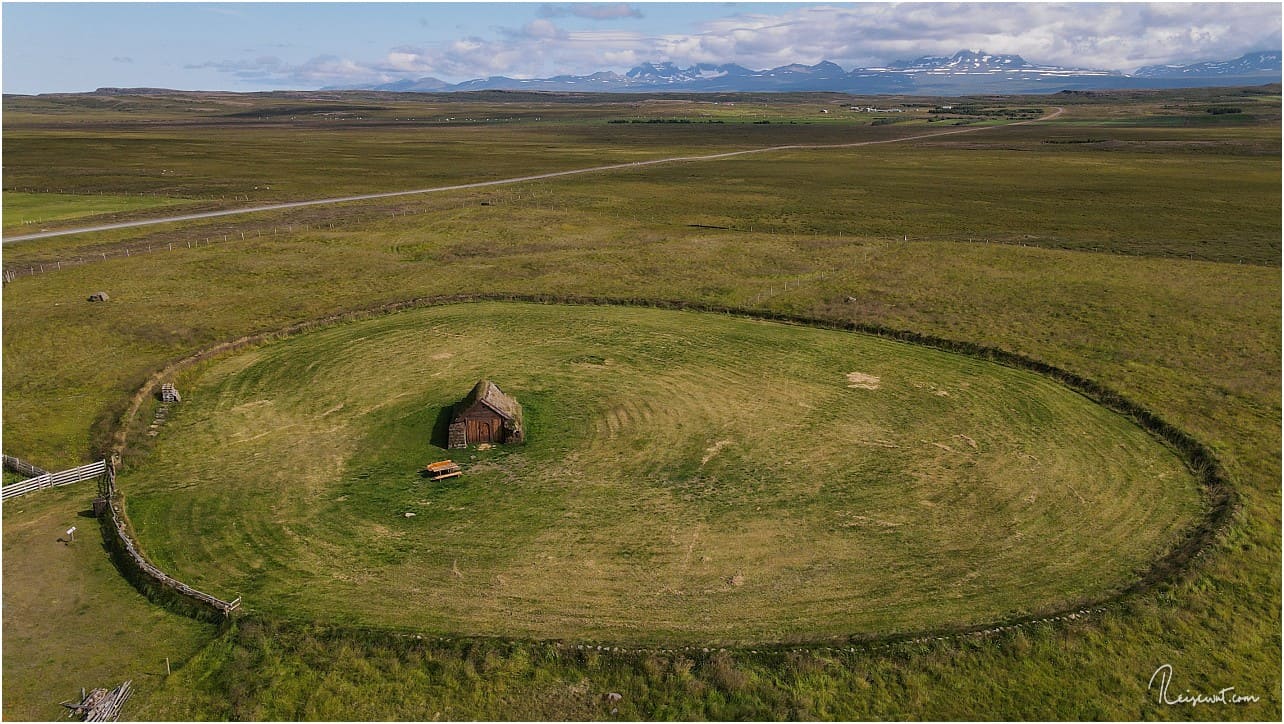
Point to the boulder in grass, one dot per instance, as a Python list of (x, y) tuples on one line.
[(99, 297)]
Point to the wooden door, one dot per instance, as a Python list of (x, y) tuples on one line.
[(479, 431)]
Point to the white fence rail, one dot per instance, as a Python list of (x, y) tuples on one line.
[(53, 480)]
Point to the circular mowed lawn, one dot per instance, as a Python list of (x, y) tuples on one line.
[(687, 478)]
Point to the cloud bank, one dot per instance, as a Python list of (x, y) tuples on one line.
[(1117, 36)]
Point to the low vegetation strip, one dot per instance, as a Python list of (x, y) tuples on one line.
[(1218, 497)]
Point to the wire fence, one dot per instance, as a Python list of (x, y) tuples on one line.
[(14, 271)]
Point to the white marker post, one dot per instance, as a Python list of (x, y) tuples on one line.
[(71, 533)]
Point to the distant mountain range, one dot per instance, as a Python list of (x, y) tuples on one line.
[(962, 73), (1250, 64)]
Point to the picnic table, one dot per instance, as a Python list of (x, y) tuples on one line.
[(442, 469)]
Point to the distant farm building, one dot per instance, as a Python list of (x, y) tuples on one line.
[(486, 415)]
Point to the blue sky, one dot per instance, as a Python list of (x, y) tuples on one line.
[(64, 47)]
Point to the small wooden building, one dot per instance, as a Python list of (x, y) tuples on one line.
[(486, 415)]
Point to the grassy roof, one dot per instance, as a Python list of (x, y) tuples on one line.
[(490, 395)]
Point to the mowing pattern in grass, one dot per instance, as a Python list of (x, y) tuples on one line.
[(688, 477)]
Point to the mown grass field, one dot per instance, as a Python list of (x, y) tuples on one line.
[(1195, 339), (688, 478)]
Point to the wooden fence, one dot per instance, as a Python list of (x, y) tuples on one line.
[(164, 579), (53, 480), (178, 240), (22, 467)]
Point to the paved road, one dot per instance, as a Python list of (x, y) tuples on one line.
[(501, 182)]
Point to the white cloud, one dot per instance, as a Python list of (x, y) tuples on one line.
[(406, 61), (592, 11), (1112, 36), (541, 29), (1119, 36), (317, 71)]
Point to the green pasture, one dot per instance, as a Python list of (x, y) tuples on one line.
[(82, 625), (24, 212), (1154, 191), (687, 478), (1114, 294), (325, 162)]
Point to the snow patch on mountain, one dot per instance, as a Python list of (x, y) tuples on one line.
[(967, 71), (1249, 64)]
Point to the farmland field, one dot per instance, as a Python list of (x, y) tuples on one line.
[(1131, 241)]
